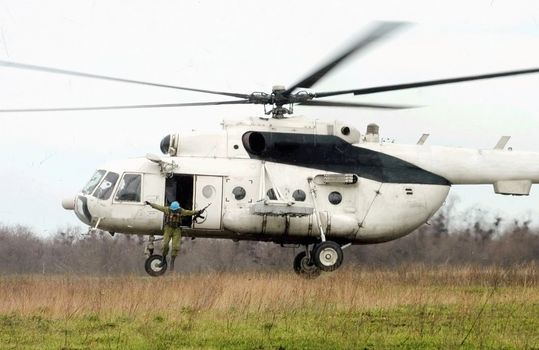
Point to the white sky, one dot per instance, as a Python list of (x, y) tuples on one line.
[(246, 46)]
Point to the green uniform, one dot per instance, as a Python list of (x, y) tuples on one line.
[(173, 220)]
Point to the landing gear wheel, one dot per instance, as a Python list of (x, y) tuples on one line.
[(327, 256), (153, 266), (304, 267)]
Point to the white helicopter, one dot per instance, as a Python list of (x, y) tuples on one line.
[(321, 185)]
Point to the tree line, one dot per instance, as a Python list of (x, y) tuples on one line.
[(72, 250)]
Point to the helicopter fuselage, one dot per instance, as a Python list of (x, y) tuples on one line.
[(291, 181)]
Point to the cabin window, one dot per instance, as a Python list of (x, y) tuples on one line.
[(104, 190), (239, 193), (208, 191), (335, 198), (129, 188), (299, 196), (94, 181)]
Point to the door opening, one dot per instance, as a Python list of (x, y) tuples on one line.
[(180, 188)]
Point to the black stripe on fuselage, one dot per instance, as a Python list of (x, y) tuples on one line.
[(333, 154), (85, 212)]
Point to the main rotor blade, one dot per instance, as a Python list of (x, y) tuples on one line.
[(353, 105), (376, 89), (378, 32), (99, 108), (103, 77)]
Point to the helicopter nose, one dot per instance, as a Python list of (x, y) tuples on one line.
[(69, 203)]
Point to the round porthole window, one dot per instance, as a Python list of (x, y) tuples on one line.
[(239, 193), (271, 194), (335, 198), (208, 191), (299, 195)]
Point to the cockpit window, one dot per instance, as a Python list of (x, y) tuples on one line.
[(105, 189), (94, 181), (129, 188)]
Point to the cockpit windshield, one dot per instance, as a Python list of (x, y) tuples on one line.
[(105, 189), (94, 181)]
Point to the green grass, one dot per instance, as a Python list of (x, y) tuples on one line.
[(483, 325)]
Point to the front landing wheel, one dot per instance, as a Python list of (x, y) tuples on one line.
[(327, 256), (304, 267), (153, 266)]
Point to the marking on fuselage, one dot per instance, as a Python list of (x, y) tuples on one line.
[(330, 153)]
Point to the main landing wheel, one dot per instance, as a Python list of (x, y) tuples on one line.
[(304, 267), (327, 256), (153, 266)]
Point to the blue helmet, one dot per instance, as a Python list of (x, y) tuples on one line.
[(174, 205)]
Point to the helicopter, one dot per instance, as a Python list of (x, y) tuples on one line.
[(291, 180)]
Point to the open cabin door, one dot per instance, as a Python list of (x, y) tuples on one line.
[(209, 189), (180, 188)]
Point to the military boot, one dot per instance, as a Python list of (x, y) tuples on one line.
[(163, 261), (172, 258)]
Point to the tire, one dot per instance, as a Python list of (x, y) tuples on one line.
[(152, 268), (297, 262), (328, 256), (304, 267)]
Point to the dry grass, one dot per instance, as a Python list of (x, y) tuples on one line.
[(349, 290), (408, 307)]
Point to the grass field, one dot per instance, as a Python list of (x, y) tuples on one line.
[(408, 307)]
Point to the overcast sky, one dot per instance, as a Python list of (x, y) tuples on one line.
[(247, 46)]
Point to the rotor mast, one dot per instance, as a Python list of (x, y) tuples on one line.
[(279, 98), (278, 111)]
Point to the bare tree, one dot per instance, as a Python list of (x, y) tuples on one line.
[(70, 250)]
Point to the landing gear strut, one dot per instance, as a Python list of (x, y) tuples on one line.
[(148, 251), (326, 255)]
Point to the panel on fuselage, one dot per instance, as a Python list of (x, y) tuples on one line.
[(209, 193), (127, 208), (398, 209), (124, 210)]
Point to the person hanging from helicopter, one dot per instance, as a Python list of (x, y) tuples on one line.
[(172, 229)]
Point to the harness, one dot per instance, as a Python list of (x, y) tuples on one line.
[(173, 219)]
